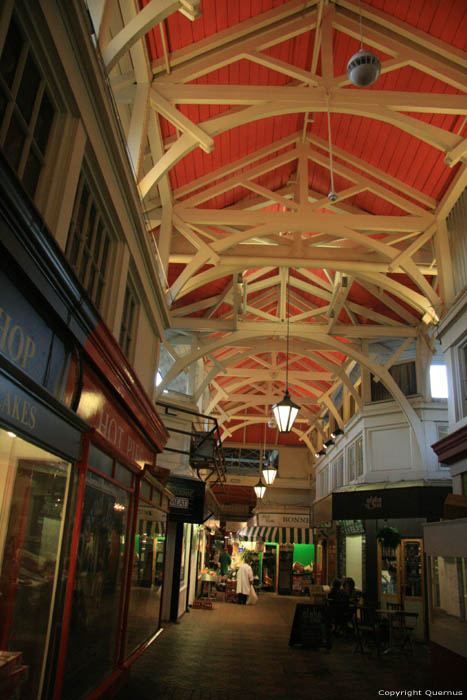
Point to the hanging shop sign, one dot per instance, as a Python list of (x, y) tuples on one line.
[(104, 414), (284, 519), (187, 505)]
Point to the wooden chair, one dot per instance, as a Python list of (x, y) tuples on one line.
[(367, 629), (402, 628)]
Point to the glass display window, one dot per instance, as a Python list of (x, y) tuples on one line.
[(389, 571), (99, 580), (34, 486), (147, 575), (412, 568)]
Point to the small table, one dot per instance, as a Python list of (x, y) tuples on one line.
[(207, 582), (399, 634)]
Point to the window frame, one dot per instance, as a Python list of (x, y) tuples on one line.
[(102, 235), (14, 113), (129, 321)]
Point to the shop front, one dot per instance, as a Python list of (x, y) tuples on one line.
[(184, 544), (381, 531), (78, 445), (285, 552), (325, 538)]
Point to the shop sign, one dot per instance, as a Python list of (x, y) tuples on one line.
[(28, 414), (187, 505), (284, 519), (97, 408), (29, 343), (400, 502)]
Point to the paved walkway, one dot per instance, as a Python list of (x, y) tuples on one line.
[(236, 652)]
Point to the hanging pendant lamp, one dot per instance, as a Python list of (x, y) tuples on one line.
[(286, 411), (364, 67), (269, 468), (260, 489)]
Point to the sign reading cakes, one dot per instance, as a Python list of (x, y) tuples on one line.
[(187, 505)]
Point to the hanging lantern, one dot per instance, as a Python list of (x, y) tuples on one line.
[(269, 473), (285, 413), (259, 489)]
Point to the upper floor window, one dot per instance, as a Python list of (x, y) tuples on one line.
[(355, 459), (405, 376), (26, 109), (322, 483), (337, 468), (463, 379), (129, 320), (89, 244), (457, 231), (439, 382)]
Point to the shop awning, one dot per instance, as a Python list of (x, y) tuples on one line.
[(281, 535)]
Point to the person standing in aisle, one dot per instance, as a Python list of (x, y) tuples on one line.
[(244, 582), (224, 561)]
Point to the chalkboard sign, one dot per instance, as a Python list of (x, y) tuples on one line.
[(311, 627)]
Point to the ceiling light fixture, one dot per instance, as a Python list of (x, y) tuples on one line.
[(336, 433), (269, 466), (286, 410), (364, 67)]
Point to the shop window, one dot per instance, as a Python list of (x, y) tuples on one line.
[(100, 460), (89, 243), (123, 475), (95, 620), (27, 112), (146, 576), (33, 488), (129, 321), (404, 375)]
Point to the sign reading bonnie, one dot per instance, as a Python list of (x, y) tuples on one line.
[(188, 503)]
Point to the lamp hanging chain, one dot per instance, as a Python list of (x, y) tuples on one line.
[(330, 151), (287, 337), (361, 30)]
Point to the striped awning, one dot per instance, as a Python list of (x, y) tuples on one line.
[(281, 535)]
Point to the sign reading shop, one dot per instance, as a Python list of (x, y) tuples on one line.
[(28, 342), (283, 519)]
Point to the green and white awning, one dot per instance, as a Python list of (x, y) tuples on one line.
[(281, 535)]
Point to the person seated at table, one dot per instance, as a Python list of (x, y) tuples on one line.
[(337, 604), (349, 590), (352, 597)]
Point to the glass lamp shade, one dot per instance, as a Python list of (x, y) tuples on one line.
[(259, 489), (285, 413), (269, 473)]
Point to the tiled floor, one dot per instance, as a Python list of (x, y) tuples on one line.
[(236, 652)]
